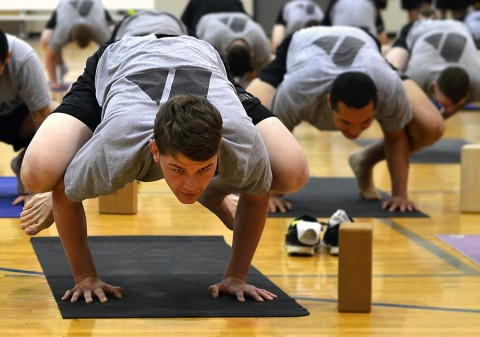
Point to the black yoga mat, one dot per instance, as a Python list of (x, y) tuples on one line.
[(161, 276), (444, 151), (321, 197)]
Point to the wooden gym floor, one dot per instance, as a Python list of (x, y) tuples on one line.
[(420, 285)]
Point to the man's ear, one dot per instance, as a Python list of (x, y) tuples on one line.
[(154, 151), (328, 102)]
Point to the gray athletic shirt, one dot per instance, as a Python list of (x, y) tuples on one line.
[(74, 12), (437, 44), (134, 77), (220, 29), (23, 80), (472, 21), (150, 22), (297, 13), (356, 13), (316, 56)]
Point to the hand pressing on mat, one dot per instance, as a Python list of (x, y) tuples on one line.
[(238, 288), (90, 287), (276, 202), (399, 203)]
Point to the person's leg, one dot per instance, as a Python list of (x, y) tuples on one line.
[(427, 125), (425, 128), (288, 161), (289, 170), (54, 145)]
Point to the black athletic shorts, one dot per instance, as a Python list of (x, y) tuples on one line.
[(10, 126), (453, 4), (414, 4)]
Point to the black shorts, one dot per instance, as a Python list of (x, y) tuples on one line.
[(453, 4), (10, 126), (382, 4), (414, 4)]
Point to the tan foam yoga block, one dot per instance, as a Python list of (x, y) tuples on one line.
[(470, 179), (355, 267), (123, 201)]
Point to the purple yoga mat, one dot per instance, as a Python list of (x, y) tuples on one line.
[(468, 245), (8, 193)]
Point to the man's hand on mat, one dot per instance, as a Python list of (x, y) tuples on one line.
[(399, 203), (90, 287), (236, 287), (276, 202)]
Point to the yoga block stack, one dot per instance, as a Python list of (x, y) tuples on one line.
[(355, 268), (123, 201), (470, 179)]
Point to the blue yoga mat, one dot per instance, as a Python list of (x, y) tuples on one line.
[(8, 193)]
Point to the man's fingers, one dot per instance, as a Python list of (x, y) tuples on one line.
[(213, 290)]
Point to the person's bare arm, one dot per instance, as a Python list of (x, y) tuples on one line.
[(278, 34), (262, 90), (398, 57), (249, 222), (397, 153)]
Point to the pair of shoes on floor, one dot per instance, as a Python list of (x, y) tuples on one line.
[(303, 237), (330, 237)]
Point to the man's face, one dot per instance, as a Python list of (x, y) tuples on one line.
[(448, 106), (187, 178), (352, 121)]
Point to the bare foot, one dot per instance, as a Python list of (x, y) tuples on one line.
[(37, 213), (366, 186)]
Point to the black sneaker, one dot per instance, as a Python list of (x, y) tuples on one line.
[(303, 236), (330, 238)]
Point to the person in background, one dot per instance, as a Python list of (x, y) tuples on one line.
[(457, 9), (363, 14), (442, 58), (414, 6), (25, 103), (336, 79), (79, 22), (148, 22), (293, 16), (195, 9), (240, 39)]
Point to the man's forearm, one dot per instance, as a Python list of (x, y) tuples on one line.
[(248, 228)]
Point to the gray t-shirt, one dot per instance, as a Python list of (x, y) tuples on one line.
[(316, 56), (149, 22), (472, 21), (356, 13), (437, 44), (297, 13), (73, 12), (23, 80), (220, 29), (134, 77)]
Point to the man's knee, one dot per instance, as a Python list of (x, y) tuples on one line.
[(36, 176), (291, 174)]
